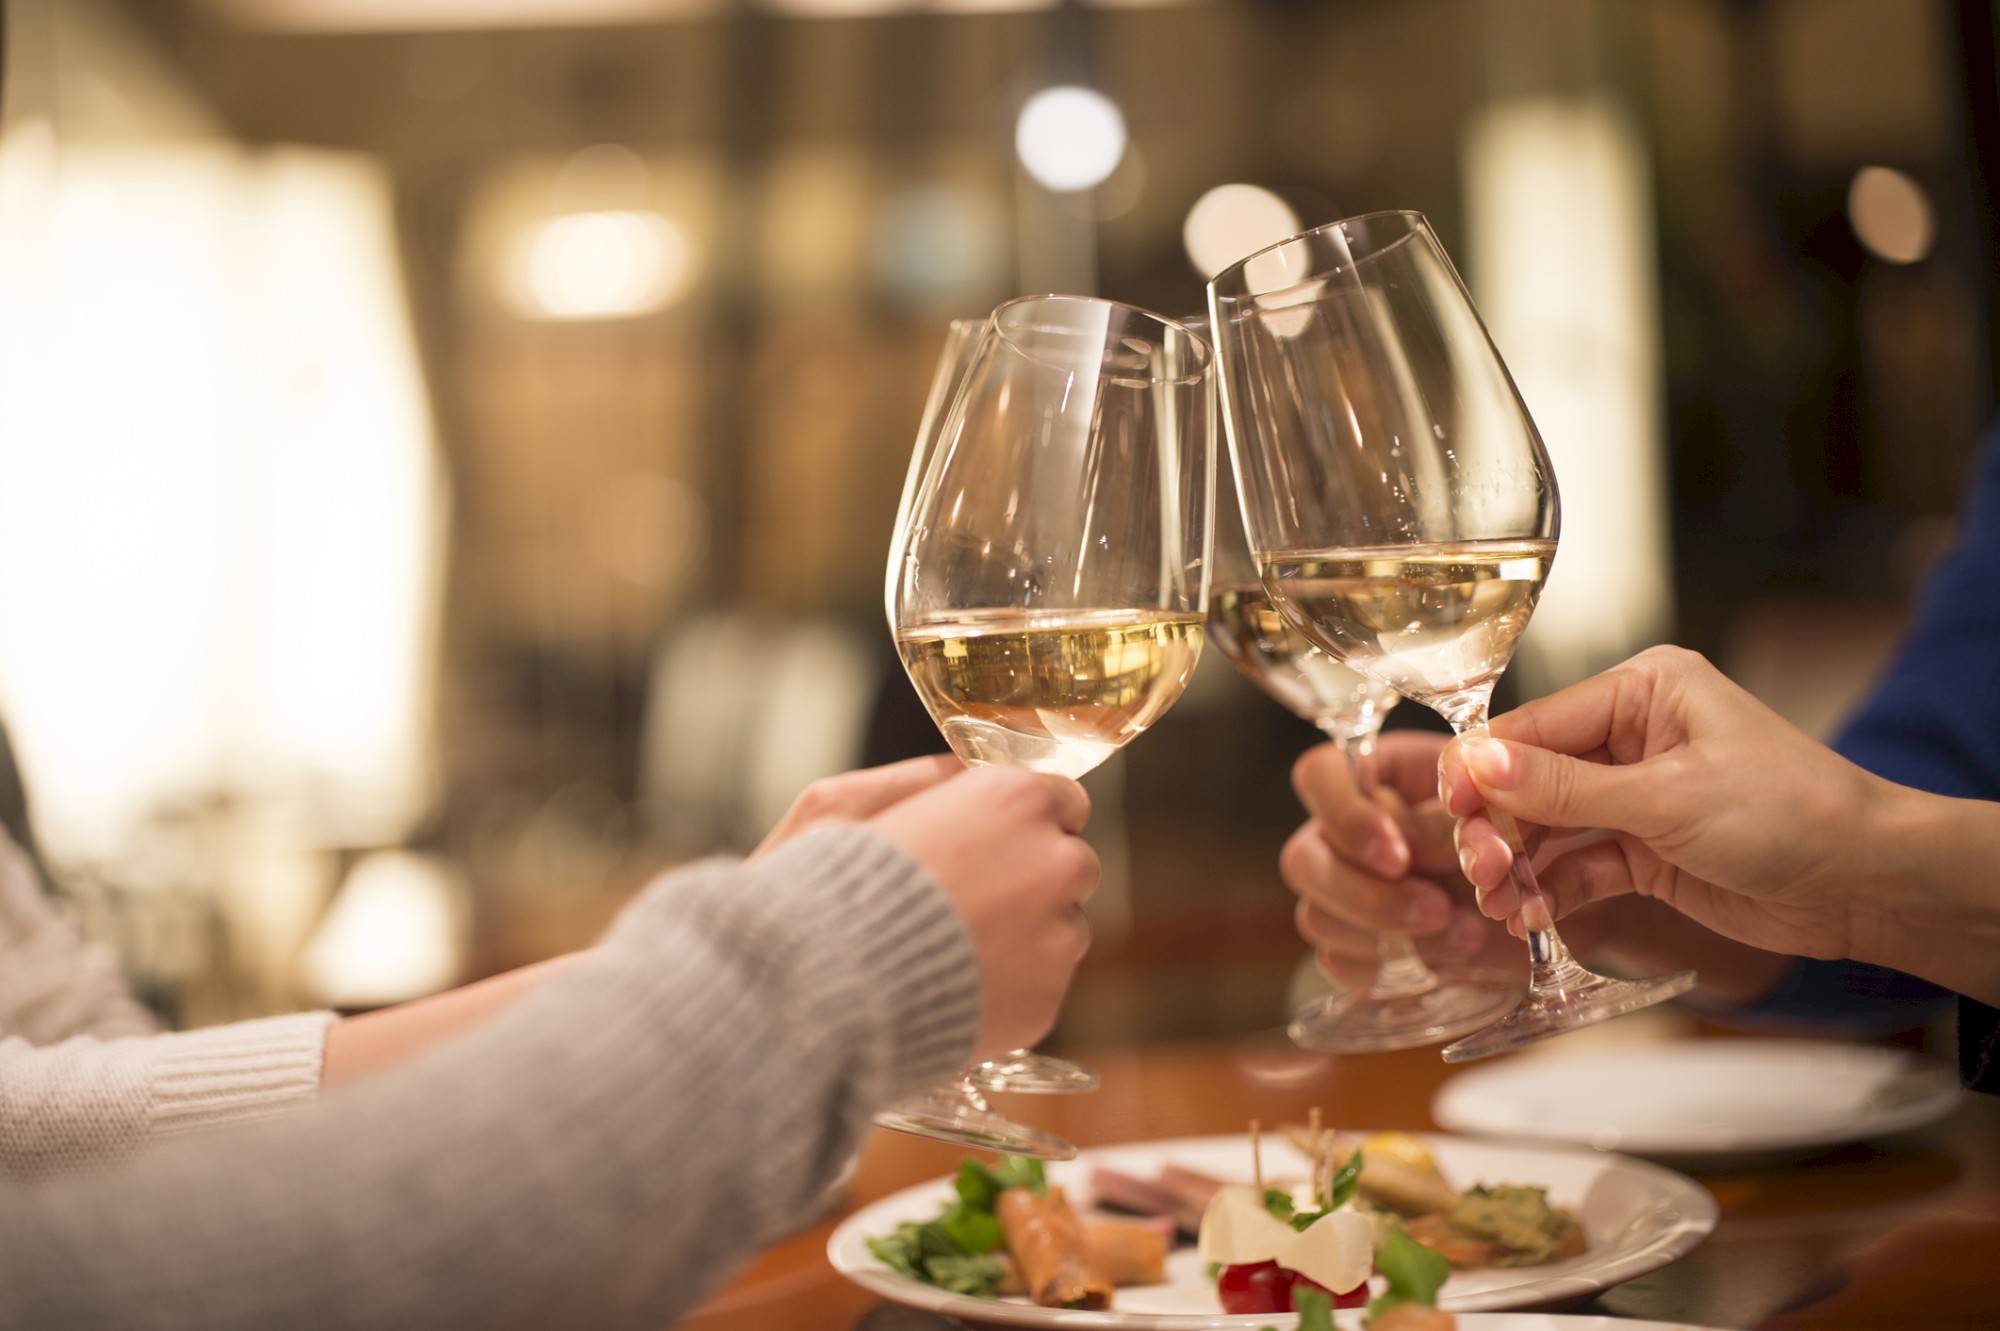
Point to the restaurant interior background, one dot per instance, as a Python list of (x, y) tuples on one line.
[(448, 447)]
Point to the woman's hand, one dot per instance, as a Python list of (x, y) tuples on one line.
[(1007, 847), (1368, 865), (857, 796), (1717, 806), (1365, 865)]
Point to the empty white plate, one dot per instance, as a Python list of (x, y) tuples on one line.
[(1701, 1097)]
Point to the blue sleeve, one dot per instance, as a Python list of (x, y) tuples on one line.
[(1933, 722)]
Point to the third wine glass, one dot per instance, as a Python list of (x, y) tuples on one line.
[(1402, 509), (1048, 581)]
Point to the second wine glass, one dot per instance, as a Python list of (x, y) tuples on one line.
[(1408, 1003), (1403, 509), (1022, 1070), (1048, 583)]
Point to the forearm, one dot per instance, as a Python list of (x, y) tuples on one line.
[(361, 1045), (599, 1154), (1922, 889)]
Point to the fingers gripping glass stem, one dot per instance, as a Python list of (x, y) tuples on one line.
[(1562, 994), (1408, 1004)]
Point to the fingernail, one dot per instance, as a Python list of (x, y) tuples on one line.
[(1427, 915), (1468, 859), (1385, 855), (1490, 762)]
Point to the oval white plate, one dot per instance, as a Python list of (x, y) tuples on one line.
[(1638, 1217), (1701, 1097)]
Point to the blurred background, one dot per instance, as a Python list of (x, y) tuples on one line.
[(448, 447)]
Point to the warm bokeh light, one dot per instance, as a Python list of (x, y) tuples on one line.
[(600, 265), (395, 931), (1562, 260), (1231, 221), (405, 15), (220, 514), (1070, 138), (1891, 214)]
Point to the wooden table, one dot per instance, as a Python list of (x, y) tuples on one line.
[(1895, 1234)]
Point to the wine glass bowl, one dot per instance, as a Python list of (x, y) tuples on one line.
[(1047, 587), (1402, 508)]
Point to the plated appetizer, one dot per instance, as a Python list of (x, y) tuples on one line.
[(1374, 1223)]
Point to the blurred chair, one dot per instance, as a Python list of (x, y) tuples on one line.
[(743, 711)]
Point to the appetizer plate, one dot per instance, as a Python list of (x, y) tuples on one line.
[(1638, 1218), (1702, 1098)]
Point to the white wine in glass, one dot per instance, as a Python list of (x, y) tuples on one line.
[(1246, 626), (1402, 509), (1051, 692), (1048, 578)]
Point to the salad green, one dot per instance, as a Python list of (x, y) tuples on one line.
[(958, 1251), (1340, 1191), (1414, 1273)]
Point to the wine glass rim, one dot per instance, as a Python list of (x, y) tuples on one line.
[(1203, 353), (1234, 274)]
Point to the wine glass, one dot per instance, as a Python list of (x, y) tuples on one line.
[(1049, 581), (1408, 1003), (1022, 1069), (1402, 509)]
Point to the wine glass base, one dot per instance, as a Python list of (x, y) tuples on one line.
[(948, 1116), (1461, 1001), (1034, 1074), (1557, 1011)]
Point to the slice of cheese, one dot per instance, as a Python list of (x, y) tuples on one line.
[(1236, 1229), (1337, 1250)]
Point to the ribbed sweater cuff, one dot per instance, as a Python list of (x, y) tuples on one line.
[(228, 1074)]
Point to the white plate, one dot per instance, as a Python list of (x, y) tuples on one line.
[(1701, 1097), (1638, 1217)]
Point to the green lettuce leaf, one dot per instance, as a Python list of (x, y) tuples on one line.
[(1413, 1271)]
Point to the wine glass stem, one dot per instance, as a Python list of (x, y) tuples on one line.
[(1551, 970), (1401, 972)]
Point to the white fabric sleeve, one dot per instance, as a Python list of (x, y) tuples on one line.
[(54, 983), (86, 1101)]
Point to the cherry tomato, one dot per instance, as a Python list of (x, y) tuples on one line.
[(1252, 1287), (1266, 1287)]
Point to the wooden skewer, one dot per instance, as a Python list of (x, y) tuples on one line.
[(1319, 1154), (1257, 1158)]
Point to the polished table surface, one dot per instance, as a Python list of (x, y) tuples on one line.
[(1900, 1233)]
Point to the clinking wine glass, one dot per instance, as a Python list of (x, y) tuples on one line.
[(1408, 1003), (1402, 509), (1021, 1070), (1048, 582)]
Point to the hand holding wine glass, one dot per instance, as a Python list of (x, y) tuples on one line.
[(1047, 584), (1402, 508)]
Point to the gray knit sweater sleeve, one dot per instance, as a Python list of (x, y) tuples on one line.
[(600, 1154)]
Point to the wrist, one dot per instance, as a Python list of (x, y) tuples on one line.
[(1924, 904)]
